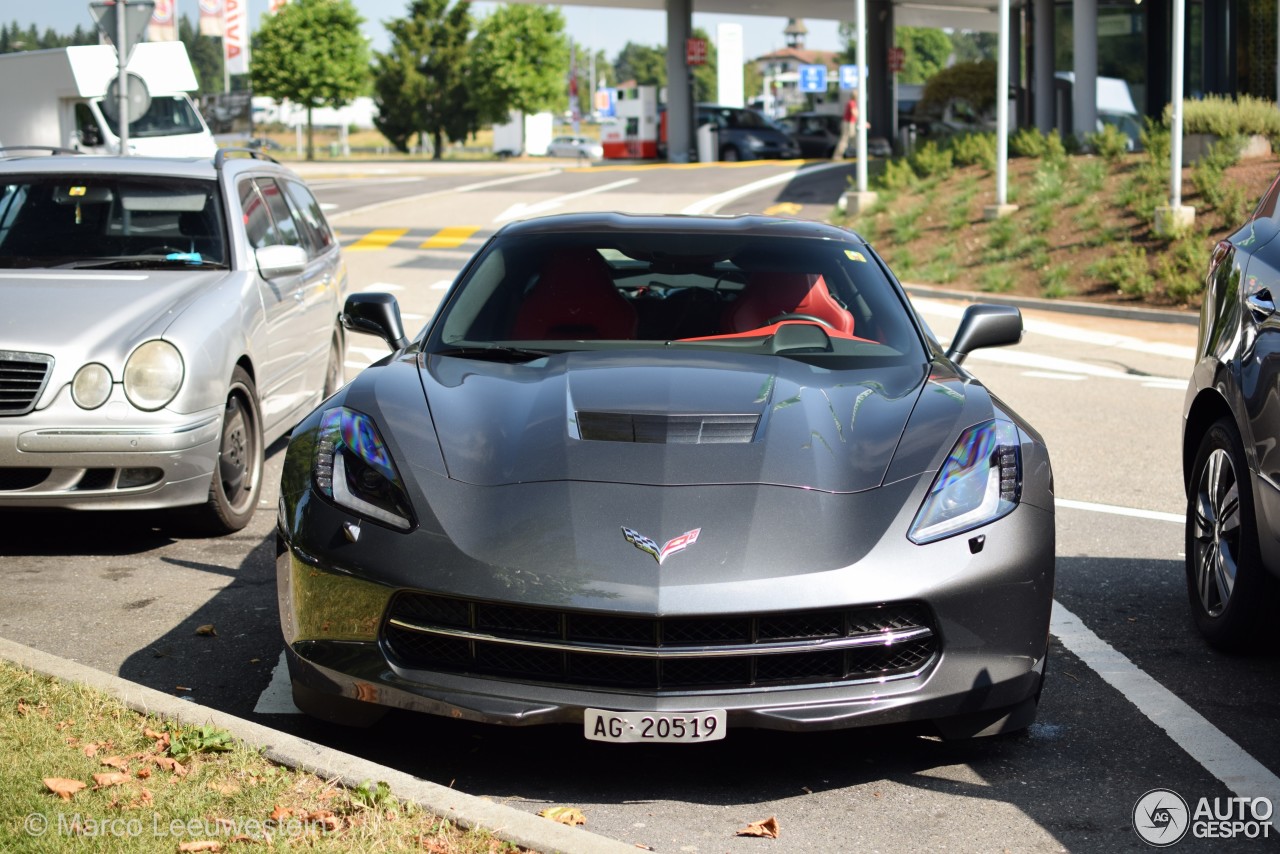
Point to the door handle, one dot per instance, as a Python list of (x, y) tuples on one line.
[(1261, 304)]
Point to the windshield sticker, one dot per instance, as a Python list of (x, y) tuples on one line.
[(855, 256), (76, 191)]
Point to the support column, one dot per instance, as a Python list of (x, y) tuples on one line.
[(1176, 217), (679, 82), (1084, 102), (1042, 58), (1002, 207), (880, 81), (861, 198)]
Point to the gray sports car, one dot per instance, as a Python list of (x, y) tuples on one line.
[(658, 477)]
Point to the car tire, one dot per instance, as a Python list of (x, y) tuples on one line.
[(334, 371), (237, 475), (729, 154), (1226, 583)]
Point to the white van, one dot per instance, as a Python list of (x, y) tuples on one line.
[(55, 98)]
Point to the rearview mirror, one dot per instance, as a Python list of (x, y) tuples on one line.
[(375, 314), (276, 261), (985, 326)]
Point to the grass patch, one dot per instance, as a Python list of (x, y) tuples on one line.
[(997, 279), (1055, 282), (127, 790)]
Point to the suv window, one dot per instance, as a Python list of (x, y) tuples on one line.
[(307, 211), (268, 220)]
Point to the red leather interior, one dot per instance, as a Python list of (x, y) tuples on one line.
[(768, 295), (574, 298)]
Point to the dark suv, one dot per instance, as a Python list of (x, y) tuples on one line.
[(747, 135), (1230, 453)]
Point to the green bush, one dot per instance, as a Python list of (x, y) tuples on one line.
[(1054, 281), (930, 161), (1155, 141), (975, 149), (898, 175), (973, 82), (1027, 142), (1223, 116), (904, 227), (1110, 144), (1127, 268), (1183, 266), (996, 279)]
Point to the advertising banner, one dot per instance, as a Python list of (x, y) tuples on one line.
[(235, 39), (164, 23), (211, 18)]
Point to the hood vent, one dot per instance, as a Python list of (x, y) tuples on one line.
[(667, 429)]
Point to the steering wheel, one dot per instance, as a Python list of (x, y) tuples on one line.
[(165, 249), (796, 316)]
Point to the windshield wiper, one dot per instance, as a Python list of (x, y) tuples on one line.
[(495, 352), (176, 260)]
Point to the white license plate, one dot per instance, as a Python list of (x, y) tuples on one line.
[(686, 727)]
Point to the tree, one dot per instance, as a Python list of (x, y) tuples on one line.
[(927, 51), (972, 82), (706, 84), (311, 52), (422, 85), (206, 56), (971, 47), (519, 59), (646, 65)]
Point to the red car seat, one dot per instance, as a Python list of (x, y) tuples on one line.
[(768, 295), (574, 298)]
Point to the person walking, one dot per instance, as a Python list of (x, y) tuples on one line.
[(847, 127)]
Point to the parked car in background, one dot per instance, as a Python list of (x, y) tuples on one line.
[(663, 477), (575, 146), (746, 135), (1231, 438), (818, 133), (164, 321)]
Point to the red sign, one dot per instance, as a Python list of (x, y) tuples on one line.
[(897, 59), (695, 52)]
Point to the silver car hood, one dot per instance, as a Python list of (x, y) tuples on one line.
[(78, 316), (659, 418)]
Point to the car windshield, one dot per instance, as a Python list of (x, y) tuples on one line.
[(168, 115), (530, 295), (104, 220)]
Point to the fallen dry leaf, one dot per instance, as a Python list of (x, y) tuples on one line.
[(62, 787), (571, 816), (144, 773), (168, 763), (207, 630), (200, 845), (110, 778), (116, 762), (91, 749), (280, 813), (767, 829), (152, 734), (224, 788), (22, 708), (181, 688)]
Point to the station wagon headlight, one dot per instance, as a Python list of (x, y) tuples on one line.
[(353, 468), (153, 375), (979, 482), (91, 386)]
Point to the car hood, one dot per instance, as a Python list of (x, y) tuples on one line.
[(669, 418), (93, 315)]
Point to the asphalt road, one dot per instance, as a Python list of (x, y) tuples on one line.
[(1135, 701)]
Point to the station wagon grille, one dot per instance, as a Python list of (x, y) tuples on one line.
[(22, 378), (648, 654)]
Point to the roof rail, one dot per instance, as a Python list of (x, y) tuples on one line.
[(51, 149), (221, 156)]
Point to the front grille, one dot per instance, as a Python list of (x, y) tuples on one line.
[(640, 654), (665, 429), (22, 378)]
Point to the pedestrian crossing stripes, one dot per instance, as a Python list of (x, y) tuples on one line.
[(450, 237)]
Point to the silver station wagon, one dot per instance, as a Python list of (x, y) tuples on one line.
[(164, 321)]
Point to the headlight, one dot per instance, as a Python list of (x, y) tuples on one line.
[(354, 469), (153, 375), (753, 141), (91, 386), (980, 481)]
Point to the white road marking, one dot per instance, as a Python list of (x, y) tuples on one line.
[(410, 316), (1205, 743), (1024, 359), (1154, 515), (712, 204), (1054, 375), (520, 209), (442, 285), (463, 189), (277, 699), (385, 287), (327, 206)]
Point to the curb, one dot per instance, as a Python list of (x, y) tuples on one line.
[(1151, 315), (506, 822)]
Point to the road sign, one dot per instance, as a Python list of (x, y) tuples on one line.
[(897, 59), (136, 92), (848, 77), (695, 51), (813, 78), (136, 17)]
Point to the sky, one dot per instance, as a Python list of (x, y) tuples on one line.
[(595, 29)]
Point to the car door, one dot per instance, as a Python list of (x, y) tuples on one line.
[(325, 280), (282, 377), (1257, 257)]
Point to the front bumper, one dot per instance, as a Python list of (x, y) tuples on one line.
[(991, 615), (115, 457)]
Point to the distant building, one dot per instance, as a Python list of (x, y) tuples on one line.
[(781, 72)]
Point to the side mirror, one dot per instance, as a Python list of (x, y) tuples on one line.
[(277, 261), (375, 314), (985, 326)]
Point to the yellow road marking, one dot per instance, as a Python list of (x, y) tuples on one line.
[(450, 238), (379, 238), (783, 209)]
